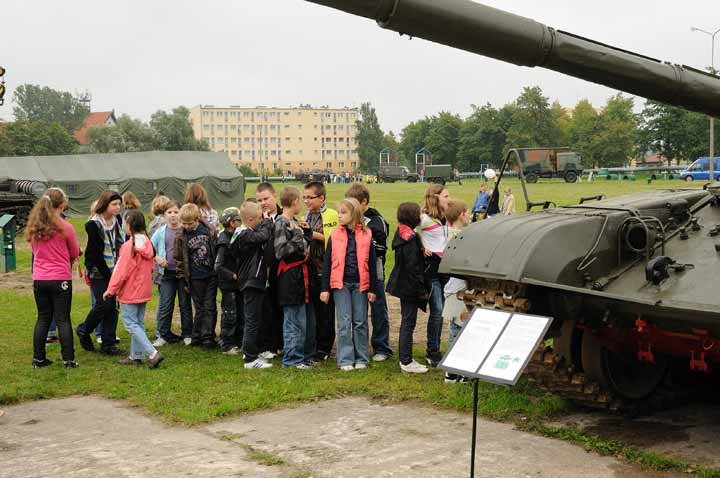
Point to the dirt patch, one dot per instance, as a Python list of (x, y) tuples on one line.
[(22, 282)]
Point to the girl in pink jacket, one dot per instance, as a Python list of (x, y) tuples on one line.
[(131, 282)]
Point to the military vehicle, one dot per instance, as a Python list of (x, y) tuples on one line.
[(440, 174), (550, 163), (630, 280), (391, 173), (314, 175), (18, 197)]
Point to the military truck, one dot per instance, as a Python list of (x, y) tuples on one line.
[(550, 163), (389, 173), (440, 173), (314, 175)]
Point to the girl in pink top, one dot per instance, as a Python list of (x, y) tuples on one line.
[(55, 248)]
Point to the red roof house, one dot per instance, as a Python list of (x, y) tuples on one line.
[(99, 118)]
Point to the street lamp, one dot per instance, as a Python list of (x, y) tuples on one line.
[(712, 120)]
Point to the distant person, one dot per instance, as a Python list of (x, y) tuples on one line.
[(293, 282), (232, 322), (480, 205), (380, 339), (350, 273), (508, 205), (157, 207), (105, 236), (195, 259), (54, 250), (434, 234), (130, 201), (456, 214), (169, 285), (408, 282), (131, 283)]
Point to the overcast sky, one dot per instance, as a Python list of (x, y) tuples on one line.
[(140, 56)]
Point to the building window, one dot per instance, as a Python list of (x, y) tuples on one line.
[(288, 151), (329, 165), (287, 138), (341, 164), (287, 126), (353, 165)]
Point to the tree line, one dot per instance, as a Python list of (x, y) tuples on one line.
[(610, 136), (45, 120)]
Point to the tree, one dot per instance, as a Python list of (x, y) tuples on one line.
[(390, 141), (616, 137), (482, 138), (128, 135), (37, 103), (534, 124), (413, 139), (370, 139), (442, 138), (35, 138), (582, 132), (174, 131)]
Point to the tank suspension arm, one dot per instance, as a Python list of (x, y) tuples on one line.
[(487, 31)]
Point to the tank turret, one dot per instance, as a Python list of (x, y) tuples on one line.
[(515, 39)]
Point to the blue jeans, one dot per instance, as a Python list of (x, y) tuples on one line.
[(296, 319), (380, 338), (435, 320), (454, 332), (170, 287), (351, 309), (133, 317)]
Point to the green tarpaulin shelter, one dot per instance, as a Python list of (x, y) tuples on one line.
[(84, 176)]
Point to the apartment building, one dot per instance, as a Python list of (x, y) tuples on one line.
[(287, 139)]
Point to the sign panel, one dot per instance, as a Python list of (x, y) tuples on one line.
[(496, 346)]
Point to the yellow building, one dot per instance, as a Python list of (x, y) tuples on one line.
[(289, 139)]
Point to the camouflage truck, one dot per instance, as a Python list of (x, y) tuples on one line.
[(440, 173), (389, 173), (550, 163)]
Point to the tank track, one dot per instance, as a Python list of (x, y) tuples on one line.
[(550, 372)]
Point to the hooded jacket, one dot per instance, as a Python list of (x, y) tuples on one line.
[(94, 261), (182, 253), (380, 230), (407, 279), (131, 280), (249, 247), (226, 262)]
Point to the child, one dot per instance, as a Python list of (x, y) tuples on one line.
[(196, 194), (169, 285), (105, 236), (232, 323), (54, 249), (130, 202), (508, 205), (158, 206), (195, 259), (457, 218), (131, 282), (380, 339), (349, 271), (481, 203), (408, 281), (321, 220), (252, 274), (291, 245), (433, 233)]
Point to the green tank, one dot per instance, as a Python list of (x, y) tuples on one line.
[(630, 280)]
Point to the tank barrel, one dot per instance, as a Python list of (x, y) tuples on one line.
[(504, 36)]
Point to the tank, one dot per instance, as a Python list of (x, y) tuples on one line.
[(629, 280), (18, 197)]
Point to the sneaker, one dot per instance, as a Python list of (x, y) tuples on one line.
[(111, 351), (130, 361), (187, 341), (155, 359), (311, 362), (41, 363), (233, 351), (159, 342), (347, 368), (85, 341), (304, 366), (52, 339), (360, 366), (380, 357), (267, 355), (258, 363), (413, 367), (452, 378), (71, 364), (99, 340), (433, 358)]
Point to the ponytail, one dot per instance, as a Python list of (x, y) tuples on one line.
[(42, 223)]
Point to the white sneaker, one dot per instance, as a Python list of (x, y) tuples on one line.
[(159, 342), (360, 366), (233, 351), (267, 355), (347, 368), (187, 340), (304, 366), (258, 363), (379, 357), (413, 367), (99, 340)]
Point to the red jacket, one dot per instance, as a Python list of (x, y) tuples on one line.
[(131, 279), (363, 242)]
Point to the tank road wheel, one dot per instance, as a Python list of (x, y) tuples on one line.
[(621, 374), (570, 177), (531, 178)]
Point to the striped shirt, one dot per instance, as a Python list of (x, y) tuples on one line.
[(434, 234)]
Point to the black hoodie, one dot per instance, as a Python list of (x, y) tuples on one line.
[(380, 230), (407, 279)]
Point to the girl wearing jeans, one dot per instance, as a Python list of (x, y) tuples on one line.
[(348, 270), (55, 248), (131, 282), (434, 234)]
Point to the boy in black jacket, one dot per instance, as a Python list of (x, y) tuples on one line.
[(407, 281), (252, 275), (380, 339), (232, 322)]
